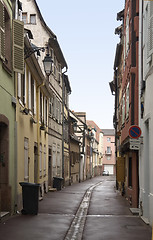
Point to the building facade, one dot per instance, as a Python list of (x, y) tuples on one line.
[(146, 111), (127, 99), (109, 159), (11, 60), (34, 21)]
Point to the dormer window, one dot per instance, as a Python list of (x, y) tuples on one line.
[(32, 18), (24, 17)]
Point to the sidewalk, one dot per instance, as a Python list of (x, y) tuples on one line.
[(108, 216)]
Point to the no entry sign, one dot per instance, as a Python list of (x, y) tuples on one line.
[(134, 132)]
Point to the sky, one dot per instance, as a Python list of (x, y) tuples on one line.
[(85, 33)]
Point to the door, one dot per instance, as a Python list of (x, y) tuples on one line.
[(50, 166), (35, 163), (109, 168), (4, 153)]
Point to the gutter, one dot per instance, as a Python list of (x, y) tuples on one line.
[(63, 94)]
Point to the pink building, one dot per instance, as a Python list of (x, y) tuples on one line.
[(109, 160)]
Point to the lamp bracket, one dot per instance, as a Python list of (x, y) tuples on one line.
[(32, 50)]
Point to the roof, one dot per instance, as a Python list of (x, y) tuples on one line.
[(67, 84), (108, 132), (53, 40)]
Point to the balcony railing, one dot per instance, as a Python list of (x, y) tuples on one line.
[(108, 153)]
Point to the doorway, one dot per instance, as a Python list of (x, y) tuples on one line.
[(35, 163), (4, 154)]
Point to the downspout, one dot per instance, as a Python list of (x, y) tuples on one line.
[(63, 100), (38, 129), (141, 82)]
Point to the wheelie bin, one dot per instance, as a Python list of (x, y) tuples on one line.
[(30, 197)]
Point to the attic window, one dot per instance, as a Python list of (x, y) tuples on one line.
[(33, 18), (24, 17)]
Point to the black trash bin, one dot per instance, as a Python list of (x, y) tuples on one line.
[(30, 197), (57, 183)]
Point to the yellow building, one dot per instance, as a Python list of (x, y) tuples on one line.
[(32, 121)]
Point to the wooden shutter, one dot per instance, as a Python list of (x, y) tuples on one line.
[(18, 46), (2, 32)]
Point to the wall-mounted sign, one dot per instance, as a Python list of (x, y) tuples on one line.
[(134, 132)]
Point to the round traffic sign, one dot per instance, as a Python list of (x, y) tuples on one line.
[(134, 131)]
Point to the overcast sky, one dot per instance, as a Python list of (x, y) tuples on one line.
[(85, 32)]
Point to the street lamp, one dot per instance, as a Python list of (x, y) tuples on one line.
[(48, 64)]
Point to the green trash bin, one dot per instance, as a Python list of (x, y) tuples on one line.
[(57, 183), (30, 197)]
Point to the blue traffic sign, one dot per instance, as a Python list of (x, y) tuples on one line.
[(134, 131)]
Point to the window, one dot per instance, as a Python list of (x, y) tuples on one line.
[(33, 18), (108, 149), (32, 94), (51, 106), (55, 65), (41, 106), (108, 139), (59, 73), (22, 87), (24, 18), (26, 159)]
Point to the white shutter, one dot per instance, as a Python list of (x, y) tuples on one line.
[(25, 87), (19, 84), (29, 92), (2, 31), (44, 110), (34, 97)]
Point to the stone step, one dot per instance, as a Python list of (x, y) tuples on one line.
[(135, 211), (4, 216), (52, 189)]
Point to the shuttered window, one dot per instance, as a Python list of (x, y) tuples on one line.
[(18, 46), (2, 32)]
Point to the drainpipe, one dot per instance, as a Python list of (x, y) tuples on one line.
[(140, 86), (63, 100), (38, 129)]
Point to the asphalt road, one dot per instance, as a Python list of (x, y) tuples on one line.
[(91, 210)]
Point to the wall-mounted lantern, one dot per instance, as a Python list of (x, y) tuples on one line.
[(48, 64)]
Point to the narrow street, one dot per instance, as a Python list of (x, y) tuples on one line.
[(88, 210)]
